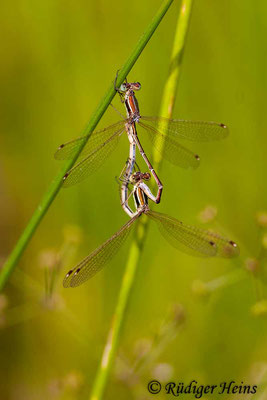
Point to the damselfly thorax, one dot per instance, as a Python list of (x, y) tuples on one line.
[(127, 91)]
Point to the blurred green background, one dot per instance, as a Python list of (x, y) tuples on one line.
[(188, 318)]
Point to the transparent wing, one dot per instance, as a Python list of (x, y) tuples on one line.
[(93, 161), (67, 150), (198, 131), (193, 240), (170, 149), (97, 260)]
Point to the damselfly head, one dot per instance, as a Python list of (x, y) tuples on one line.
[(130, 86), (138, 176)]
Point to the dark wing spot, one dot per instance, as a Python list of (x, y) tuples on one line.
[(197, 157), (223, 126), (77, 271), (61, 146), (65, 176), (212, 243), (232, 243), (69, 273)]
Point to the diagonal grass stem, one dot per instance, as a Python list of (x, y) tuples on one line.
[(55, 186)]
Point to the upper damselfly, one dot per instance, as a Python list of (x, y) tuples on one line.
[(164, 134), (189, 239)]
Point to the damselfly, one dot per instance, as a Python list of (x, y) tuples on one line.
[(164, 134), (189, 239)]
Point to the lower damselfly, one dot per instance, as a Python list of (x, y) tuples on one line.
[(165, 134), (189, 239)]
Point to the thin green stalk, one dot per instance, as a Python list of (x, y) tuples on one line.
[(142, 225), (117, 319), (55, 186), (171, 85)]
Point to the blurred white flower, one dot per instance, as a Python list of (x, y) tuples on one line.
[(207, 214)]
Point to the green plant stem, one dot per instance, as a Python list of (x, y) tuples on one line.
[(96, 116), (170, 88), (142, 224), (118, 318)]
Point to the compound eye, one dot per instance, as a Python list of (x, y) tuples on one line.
[(147, 176), (137, 85), (133, 178), (123, 87)]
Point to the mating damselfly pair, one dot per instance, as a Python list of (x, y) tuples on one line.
[(165, 134)]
